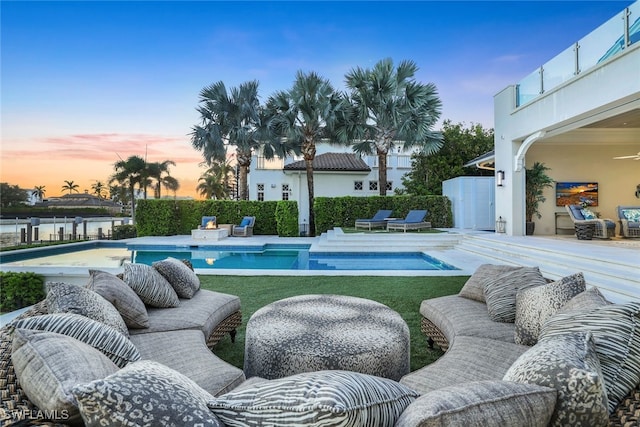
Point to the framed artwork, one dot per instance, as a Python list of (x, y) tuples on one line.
[(577, 193)]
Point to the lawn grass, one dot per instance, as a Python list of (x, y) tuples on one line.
[(402, 294)]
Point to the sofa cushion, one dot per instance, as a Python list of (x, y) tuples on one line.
[(327, 398), (616, 333), (474, 287), (121, 296), (103, 338), (48, 365), (183, 279), (468, 359), (67, 298), (537, 304), (144, 393), (500, 292), (585, 301), (186, 352), (152, 288), (631, 214), (569, 364), (203, 312), (576, 210), (482, 404)]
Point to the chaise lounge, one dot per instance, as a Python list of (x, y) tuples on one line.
[(413, 221), (378, 220)]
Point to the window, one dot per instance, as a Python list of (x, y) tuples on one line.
[(285, 191), (357, 185), (373, 185), (389, 185), (261, 192)]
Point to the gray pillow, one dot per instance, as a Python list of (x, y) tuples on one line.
[(500, 292), (103, 338), (183, 279), (67, 298), (482, 404), (48, 365), (327, 398), (616, 333), (123, 298), (151, 287), (569, 364), (585, 301), (537, 304), (474, 287), (144, 393)]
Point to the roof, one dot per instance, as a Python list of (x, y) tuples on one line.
[(347, 162), (485, 161), (77, 200)]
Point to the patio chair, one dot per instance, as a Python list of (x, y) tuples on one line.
[(629, 217), (378, 220), (245, 229), (207, 222), (603, 228), (413, 221)]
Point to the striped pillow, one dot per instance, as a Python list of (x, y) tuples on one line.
[(500, 292), (123, 298), (67, 298), (474, 286), (151, 287), (104, 338), (184, 281), (326, 398), (616, 333)]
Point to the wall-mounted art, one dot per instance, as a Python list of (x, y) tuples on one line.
[(577, 193)]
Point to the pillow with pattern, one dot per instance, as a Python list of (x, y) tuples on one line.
[(537, 304), (569, 364), (152, 288), (327, 398), (183, 279), (474, 286), (67, 298), (123, 298), (144, 393), (632, 214), (588, 213), (500, 292)]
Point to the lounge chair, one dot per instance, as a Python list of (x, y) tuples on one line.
[(603, 228), (378, 220), (245, 229), (208, 222), (629, 217), (413, 221)]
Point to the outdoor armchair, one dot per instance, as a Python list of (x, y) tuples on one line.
[(413, 221), (629, 217), (604, 228), (207, 222), (378, 220), (245, 229)]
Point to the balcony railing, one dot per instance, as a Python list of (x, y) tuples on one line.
[(611, 38)]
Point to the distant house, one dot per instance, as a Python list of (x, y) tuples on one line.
[(338, 171), (80, 201)]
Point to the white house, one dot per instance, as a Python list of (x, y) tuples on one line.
[(338, 171), (575, 114)]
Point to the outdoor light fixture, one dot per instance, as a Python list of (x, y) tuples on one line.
[(500, 178)]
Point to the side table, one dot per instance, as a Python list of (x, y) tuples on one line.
[(585, 231)]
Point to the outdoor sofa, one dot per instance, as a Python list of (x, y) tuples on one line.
[(485, 378)]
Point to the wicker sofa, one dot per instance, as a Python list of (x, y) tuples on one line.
[(480, 351)]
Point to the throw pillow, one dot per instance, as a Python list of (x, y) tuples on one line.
[(588, 214), (151, 287), (631, 214), (67, 298), (123, 298), (144, 393), (500, 292), (327, 398), (474, 287), (183, 279), (487, 403), (616, 333), (103, 338), (569, 364), (48, 365), (587, 300), (537, 304)]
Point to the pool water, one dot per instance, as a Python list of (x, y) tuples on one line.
[(297, 259)]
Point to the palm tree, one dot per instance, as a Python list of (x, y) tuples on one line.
[(391, 106), (212, 185), (170, 184), (303, 115), (99, 189), (38, 192), (156, 171), (70, 186), (129, 173), (234, 118)]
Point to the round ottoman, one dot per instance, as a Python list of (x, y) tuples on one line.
[(320, 332)]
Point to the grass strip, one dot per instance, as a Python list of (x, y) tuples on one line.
[(402, 294)]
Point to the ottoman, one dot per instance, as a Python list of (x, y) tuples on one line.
[(323, 332)]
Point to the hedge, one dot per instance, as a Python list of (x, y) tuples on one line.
[(18, 290)]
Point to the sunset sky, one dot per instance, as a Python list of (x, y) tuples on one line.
[(84, 84)]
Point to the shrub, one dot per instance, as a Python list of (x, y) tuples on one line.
[(18, 290), (124, 232)]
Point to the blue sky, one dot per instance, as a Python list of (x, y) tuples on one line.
[(85, 82)]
